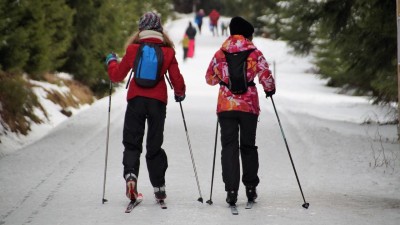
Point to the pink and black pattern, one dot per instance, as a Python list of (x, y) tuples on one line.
[(257, 66)]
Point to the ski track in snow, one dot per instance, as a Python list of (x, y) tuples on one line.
[(59, 178)]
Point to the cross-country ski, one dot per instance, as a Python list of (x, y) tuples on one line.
[(133, 204), (162, 204)]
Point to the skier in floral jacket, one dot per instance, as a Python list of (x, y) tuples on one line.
[(239, 111)]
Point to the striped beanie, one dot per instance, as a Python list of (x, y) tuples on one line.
[(150, 21)]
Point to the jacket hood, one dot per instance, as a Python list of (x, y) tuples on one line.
[(237, 43)]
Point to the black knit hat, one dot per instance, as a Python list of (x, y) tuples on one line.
[(240, 26), (150, 21)]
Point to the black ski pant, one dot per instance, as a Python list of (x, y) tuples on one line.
[(185, 51), (238, 126), (139, 110)]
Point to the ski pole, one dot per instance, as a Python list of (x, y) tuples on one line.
[(210, 202), (306, 204), (200, 199), (108, 137)]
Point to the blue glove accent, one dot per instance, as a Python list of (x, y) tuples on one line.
[(179, 98), (111, 57)]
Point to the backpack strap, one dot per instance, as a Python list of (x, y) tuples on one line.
[(135, 63), (250, 83)]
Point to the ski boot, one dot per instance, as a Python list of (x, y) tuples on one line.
[(131, 186), (159, 193), (251, 193), (231, 197)]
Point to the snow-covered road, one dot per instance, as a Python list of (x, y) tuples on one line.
[(59, 178)]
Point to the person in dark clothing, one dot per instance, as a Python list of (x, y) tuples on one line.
[(191, 33), (146, 104), (238, 113), (224, 29)]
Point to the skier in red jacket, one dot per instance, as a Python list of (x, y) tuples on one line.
[(146, 104), (214, 17)]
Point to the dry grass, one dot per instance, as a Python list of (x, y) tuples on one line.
[(17, 100), (17, 103), (64, 100), (78, 95), (81, 92)]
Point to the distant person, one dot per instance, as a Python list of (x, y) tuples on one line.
[(224, 29), (146, 104), (238, 106), (199, 19), (214, 17), (191, 33), (185, 46)]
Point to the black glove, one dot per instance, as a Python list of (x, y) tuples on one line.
[(179, 98), (269, 93)]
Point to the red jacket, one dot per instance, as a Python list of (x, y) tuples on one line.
[(214, 16), (118, 71)]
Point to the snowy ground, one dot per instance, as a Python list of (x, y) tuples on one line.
[(59, 178)]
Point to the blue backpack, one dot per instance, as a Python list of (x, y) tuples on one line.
[(147, 65)]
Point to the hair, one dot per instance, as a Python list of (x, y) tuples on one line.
[(134, 39)]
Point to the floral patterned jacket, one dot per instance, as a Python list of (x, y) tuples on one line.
[(256, 66)]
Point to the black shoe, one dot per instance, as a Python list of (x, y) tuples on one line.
[(231, 197), (251, 193), (159, 193)]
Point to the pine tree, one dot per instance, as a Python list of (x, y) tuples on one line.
[(85, 56), (34, 35), (58, 23), (103, 26), (354, 41), (14, 36)]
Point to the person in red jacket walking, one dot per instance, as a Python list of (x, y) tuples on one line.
[(214, 17), (146, 104), (238, 113)]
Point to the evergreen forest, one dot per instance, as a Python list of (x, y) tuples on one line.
[(353, 42)]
